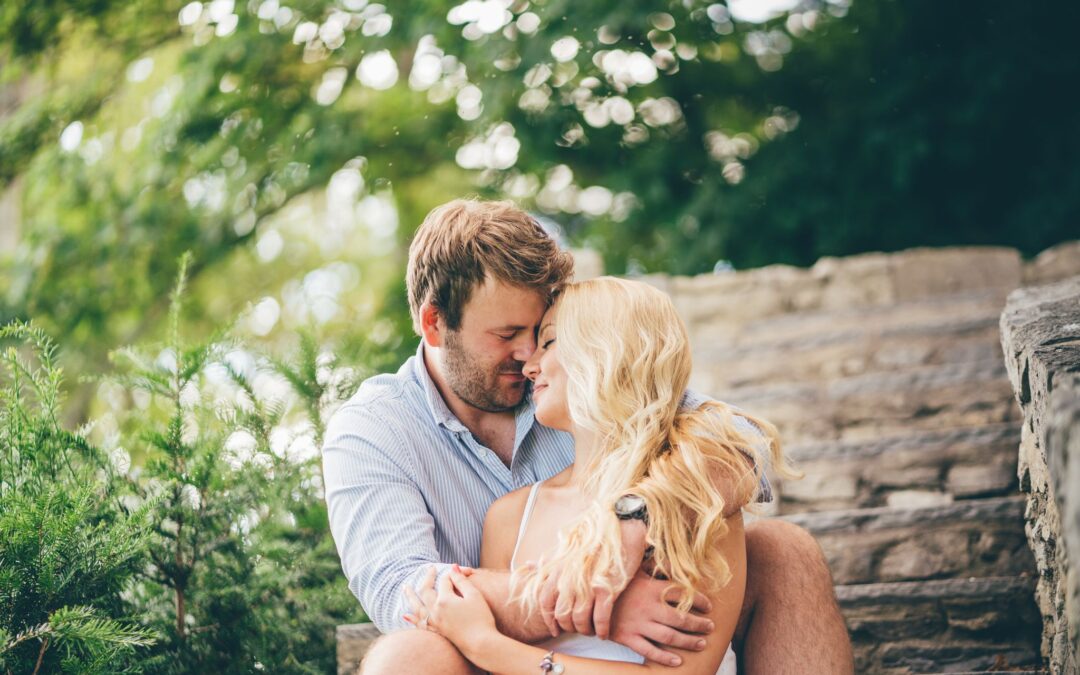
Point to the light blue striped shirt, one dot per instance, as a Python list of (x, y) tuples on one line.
[(408, 486)]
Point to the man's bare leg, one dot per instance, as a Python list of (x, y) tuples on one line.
[(790, 622), (415, 651)]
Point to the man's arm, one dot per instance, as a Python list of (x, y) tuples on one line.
[(380, 523)]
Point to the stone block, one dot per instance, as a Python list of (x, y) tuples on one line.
[(978, 480), (353, 641), (982, 537), (913, 460), (918, 499), (945, 625), (856, 281), (1040, 336), (922, 273), (1054, 264)]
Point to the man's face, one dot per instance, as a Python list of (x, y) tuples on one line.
[(483, 358)]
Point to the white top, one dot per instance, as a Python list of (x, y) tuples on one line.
[(590, 646)]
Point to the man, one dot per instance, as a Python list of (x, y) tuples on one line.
[(414, 459)]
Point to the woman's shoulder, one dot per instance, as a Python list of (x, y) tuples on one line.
[(501, 528), (509, 506)]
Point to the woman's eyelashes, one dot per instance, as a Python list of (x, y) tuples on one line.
[(547, 343)]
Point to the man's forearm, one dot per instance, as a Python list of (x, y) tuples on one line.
[(510, 618)]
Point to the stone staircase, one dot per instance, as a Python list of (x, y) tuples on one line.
[(885, 377)]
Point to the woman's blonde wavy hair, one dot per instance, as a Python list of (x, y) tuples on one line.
[(626, 354)]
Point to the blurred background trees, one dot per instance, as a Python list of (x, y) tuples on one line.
[(294, 147)]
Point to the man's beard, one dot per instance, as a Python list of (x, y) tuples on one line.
[(474, 383)]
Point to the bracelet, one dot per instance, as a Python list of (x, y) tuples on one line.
[(548, 665)]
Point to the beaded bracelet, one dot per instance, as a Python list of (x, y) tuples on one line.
[(548, 665)]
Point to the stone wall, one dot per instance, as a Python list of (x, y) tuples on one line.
[(1040, 334)]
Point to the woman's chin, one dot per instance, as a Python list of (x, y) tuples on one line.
[(551, 421)]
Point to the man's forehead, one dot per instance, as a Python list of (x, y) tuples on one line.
[(501, 305)]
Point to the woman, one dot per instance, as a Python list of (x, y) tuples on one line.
[(611, 368)]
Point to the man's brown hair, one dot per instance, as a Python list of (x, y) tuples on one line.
[(462, 243)]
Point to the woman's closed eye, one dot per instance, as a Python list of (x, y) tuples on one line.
[(547, 343)]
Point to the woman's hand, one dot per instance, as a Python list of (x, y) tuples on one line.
[(453, 608)]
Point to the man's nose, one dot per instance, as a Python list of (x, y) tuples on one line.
[(524, 347)]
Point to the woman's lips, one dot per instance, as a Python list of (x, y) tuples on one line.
[(537, 388)]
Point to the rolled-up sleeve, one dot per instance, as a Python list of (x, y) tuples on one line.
[(381, 525)]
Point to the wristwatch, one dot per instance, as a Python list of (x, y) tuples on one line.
[(631, 507)]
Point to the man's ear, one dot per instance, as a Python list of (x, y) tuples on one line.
[(432, 326)]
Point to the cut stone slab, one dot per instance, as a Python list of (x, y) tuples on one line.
[(851, 354), (870, 406), (960, 463), (353, 641), (941, 626), (1040, 335), (821, 326), (983, 538)]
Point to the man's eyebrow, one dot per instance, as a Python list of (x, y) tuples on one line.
[(509, 327)]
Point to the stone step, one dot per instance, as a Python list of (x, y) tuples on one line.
[(858, 350), (816, 326), (904, 470), (983, 538), (998, 672), (854, 283), (353, 641), (941, 626), (879, 404)]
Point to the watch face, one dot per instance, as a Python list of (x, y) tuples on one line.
[(628, 504)]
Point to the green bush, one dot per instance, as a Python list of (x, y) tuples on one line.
[(67, 548), (213, 555)]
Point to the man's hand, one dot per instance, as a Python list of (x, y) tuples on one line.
[(643, 616), (592, 612)]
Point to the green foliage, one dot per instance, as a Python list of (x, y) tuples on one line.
[(214, 555), (243, 573), (67, 549)]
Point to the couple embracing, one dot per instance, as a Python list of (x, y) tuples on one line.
[(537, 490)]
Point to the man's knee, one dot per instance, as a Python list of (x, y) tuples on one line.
[(779, 552), (414, 651)]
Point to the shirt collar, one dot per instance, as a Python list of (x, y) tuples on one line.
[(440, 412)]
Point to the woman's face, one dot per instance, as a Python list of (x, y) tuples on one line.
[(548, 377)]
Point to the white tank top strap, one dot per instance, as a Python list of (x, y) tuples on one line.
[(525, 520)]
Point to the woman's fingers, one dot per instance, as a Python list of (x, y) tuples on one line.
[(414, 600), (462, 585), (446, 587), (427, 586)]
